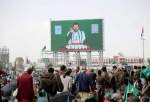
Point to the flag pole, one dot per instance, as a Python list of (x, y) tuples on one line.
[(143, 45)]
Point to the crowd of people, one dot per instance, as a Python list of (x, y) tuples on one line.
[(80, 85)]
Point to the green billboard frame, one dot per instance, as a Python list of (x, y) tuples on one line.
[(92, 29)]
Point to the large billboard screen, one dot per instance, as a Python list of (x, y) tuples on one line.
[(77, 34)]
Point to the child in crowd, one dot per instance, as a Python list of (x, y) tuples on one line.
[(42, 96)]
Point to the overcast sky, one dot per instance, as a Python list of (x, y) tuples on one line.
[(25, 24)]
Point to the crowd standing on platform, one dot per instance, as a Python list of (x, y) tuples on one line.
[(78, 85)]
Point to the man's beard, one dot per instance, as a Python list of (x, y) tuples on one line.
[(76, 30)]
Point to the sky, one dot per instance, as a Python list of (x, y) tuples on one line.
[(25, 24)]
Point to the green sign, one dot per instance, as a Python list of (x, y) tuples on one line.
[(77, 34)]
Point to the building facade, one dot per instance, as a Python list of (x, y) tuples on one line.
[(4, 57)]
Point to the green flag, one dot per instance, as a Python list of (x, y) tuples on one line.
[(141, 74), (130, 89), (145, 73), (68, 99)]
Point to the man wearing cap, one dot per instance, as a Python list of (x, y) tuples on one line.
[(25, 85)]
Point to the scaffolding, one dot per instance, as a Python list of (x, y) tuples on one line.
[(74, 58)]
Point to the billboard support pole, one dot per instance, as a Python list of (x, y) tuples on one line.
[(66, 58), (78, 58), (54, 58), (100, 57), (89, 58)]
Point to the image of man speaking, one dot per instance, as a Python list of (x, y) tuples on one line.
[(76, 37)]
